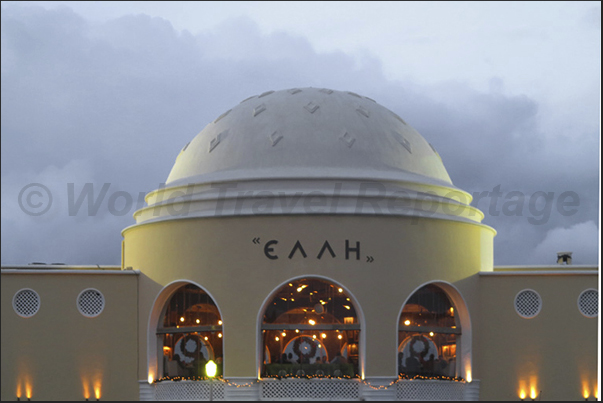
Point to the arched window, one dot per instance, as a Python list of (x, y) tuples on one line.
[(428, 334), (191, 331), (310, 327)]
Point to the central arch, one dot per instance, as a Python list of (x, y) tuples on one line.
[(310, 325)]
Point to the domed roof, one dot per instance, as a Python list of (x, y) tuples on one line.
[(308, 132), (308, 151)]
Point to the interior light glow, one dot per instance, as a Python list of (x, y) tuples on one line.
[(347, 307), (182, 319), (276, 338), (312, 322), (220, 335), (284, 334), (340, 289), (324, 335), (198, 321), (339, 336), (296, 330), (206, 338), (431, 334), (407, 322), (220, 322)]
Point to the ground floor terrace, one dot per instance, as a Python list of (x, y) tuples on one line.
[(311, 388)]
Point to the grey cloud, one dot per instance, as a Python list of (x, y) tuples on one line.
[(126, 95)]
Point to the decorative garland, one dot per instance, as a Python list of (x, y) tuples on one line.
[(401, 377), (297, 345)]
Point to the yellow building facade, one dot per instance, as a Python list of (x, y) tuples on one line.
[(311, 243)]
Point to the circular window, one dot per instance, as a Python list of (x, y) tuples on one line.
[(588, 303), (26, 303), (90, 302), (528, 303)]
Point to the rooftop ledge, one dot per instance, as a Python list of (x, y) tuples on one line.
[(65, 269), (535, 270)]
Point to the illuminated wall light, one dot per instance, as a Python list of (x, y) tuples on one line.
[(407, 322), (220, 322), (206, 338), (97, 392), (533, 393), (346, 307), (313, 336), (340, 289), (220, 335), (198, 321), (431, 334), (324, 335), (284, 334), (296, 330), (312, 322), (28, 390), (339, 336), (522, 394), (151, 378), (468, 376), (276, 338), (182, 319)]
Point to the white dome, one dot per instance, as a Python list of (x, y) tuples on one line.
[(308, 151), (308, 132)]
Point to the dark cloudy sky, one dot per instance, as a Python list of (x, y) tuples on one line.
[(110, 92)]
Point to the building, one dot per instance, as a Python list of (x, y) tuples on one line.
[(311, 243)]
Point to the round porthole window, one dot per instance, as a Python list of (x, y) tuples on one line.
[(26, 303), (528, 303), (588, 303), (90, 302)]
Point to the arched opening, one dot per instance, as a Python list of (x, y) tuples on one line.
[(310, 327), (429, 335), (189, 334)]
